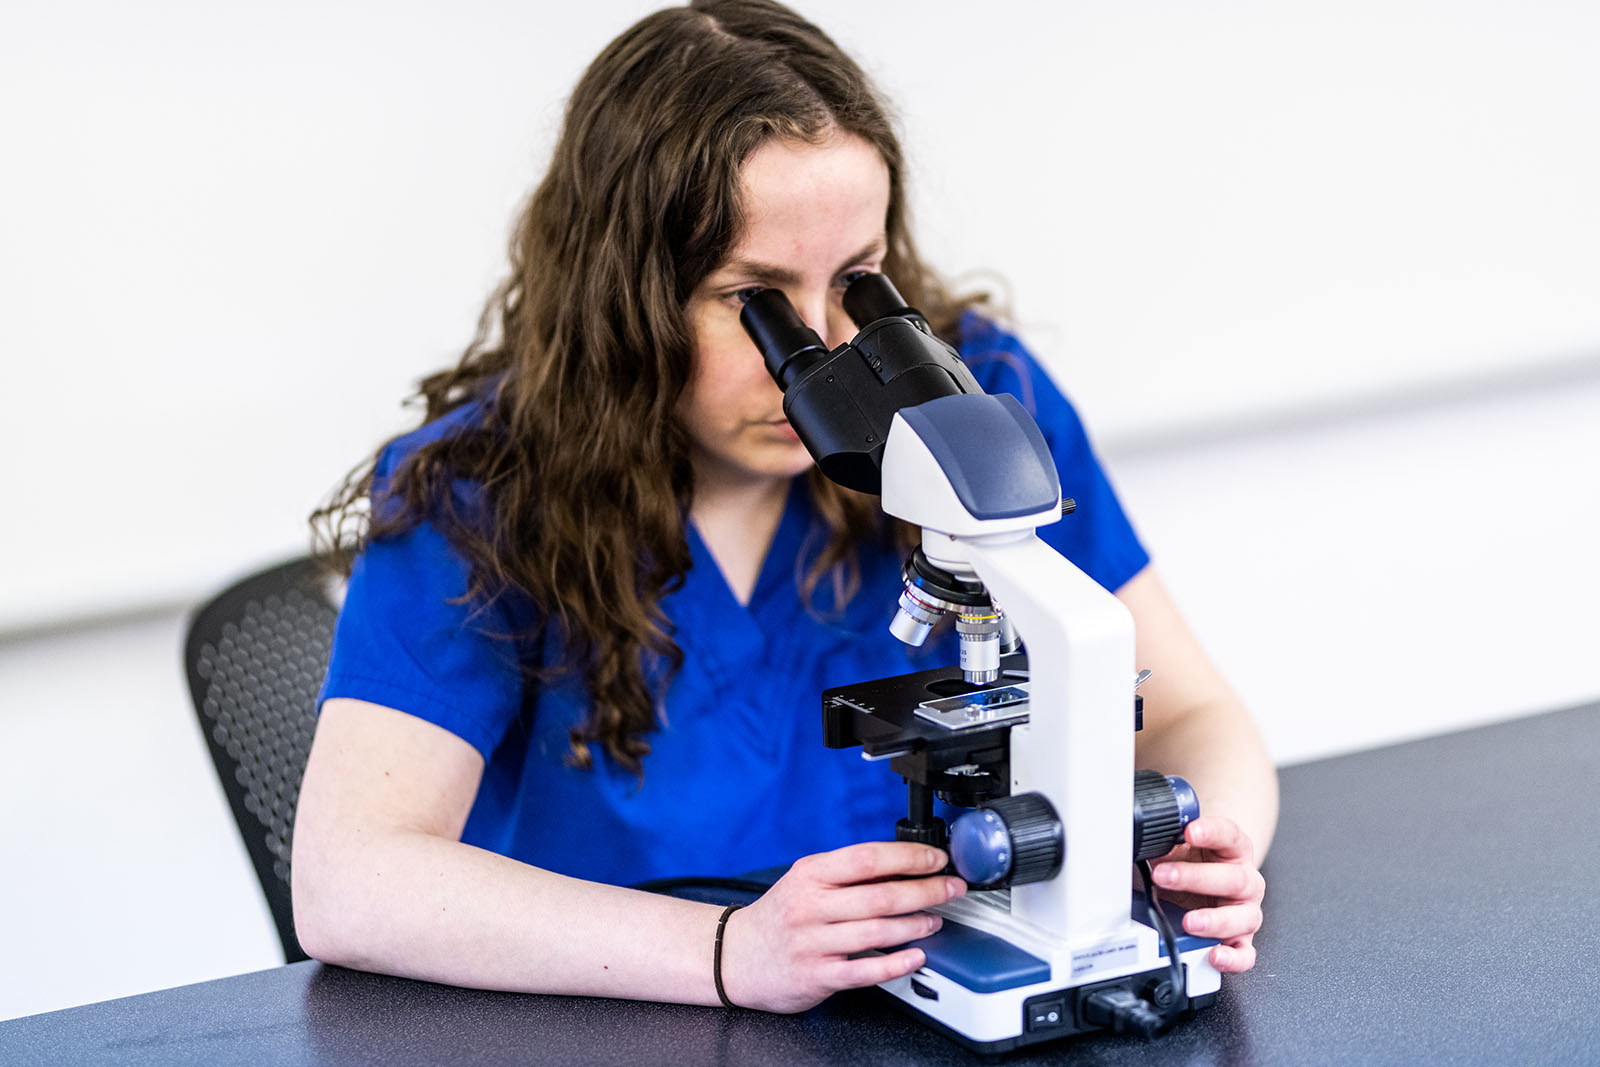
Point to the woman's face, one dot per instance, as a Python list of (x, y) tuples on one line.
[(814, 218)]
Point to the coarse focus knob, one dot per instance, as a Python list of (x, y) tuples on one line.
[(1008, 841), (1162, 806), (929, 833)]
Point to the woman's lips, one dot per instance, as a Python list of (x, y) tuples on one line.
[(782, 426)]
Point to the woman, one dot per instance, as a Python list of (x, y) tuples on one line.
[(603, 585)]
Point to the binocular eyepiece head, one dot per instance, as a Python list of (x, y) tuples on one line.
[(791, 348), (843, 403)]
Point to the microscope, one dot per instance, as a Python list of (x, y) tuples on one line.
[(1036, 738)]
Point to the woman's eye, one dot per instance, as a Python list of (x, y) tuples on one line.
[(849, 277), (742, 296)]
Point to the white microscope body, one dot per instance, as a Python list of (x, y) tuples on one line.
[(1048, 759), (1076, 749)]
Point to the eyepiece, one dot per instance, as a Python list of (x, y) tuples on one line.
[(787, 344), (873, 296)]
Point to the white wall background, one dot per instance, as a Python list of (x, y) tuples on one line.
[(235, 234), (1321, 276)]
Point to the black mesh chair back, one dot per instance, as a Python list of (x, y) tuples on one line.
[(255, 657)]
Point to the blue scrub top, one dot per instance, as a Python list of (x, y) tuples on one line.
[(737, 778)]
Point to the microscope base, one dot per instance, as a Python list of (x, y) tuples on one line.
[(953, 994)]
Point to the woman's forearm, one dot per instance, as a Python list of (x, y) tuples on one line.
[(421, 906), (1218, 750), (1195, 724)]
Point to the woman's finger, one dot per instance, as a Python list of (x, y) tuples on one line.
[(1230, 921), (1224, 881), (901, 897), (1232, 959), (864, 935), (871, 970), (1221, 837), (870, 861)]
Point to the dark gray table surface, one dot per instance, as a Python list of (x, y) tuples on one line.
[(1430, 902)]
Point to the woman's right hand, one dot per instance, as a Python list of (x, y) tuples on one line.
[(791, 949)]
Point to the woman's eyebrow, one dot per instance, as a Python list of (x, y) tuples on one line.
[(786, 275), (765, 271), (874, 247)]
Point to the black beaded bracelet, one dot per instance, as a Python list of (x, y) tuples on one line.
[(716, 954)]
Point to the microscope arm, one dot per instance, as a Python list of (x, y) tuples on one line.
[(973, 471), (1076, 749)]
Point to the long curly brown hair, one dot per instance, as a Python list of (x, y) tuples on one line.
[(581, 354)]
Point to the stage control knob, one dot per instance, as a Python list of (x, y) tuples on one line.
[(1008, 841), (1162, 806)]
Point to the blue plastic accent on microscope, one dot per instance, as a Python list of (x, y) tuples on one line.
[(1175, 916), (985, 963), (1188, 802), (991, 450), (981, 962), (980, 846)]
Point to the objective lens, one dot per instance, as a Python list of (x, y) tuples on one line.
[(913, 619), (980, 647), (909, 629), (1009, 641), (980, 659)]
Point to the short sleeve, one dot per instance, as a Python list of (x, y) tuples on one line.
[(1097, 537), (407, 639)]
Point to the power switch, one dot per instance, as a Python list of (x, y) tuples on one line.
[(1046, 1013)]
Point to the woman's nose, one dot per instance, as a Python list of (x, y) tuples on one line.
[(813, 312), (839, 327), (822, 312), (829, 321)]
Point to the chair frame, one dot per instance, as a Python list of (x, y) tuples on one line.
[(303, 576)]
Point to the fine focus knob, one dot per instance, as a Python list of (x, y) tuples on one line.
[(1008, 841), (1162, 806)]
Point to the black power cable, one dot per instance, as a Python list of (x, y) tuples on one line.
[(1118, 1008), (735, 885), (1158, 916)]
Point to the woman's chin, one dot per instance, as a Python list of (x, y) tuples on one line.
[(787, 460)]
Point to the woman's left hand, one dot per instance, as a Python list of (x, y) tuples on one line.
[(1214, 873)]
